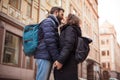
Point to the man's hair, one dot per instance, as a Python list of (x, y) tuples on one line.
[(53, 9)]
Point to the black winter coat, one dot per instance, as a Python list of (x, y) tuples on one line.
[(69, 70)]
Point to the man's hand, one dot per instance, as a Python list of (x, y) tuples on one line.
[(58, 65)]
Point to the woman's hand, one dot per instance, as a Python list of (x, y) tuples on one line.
[(58, 65)]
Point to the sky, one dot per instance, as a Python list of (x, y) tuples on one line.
[(110, 10)]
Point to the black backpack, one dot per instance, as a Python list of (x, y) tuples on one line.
[(82, 48)]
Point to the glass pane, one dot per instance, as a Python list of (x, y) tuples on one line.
[(28, 10), (36, 15), (15, 3), (11, 49), (103, 53), (28, 62)]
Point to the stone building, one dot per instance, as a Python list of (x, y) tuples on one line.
[(15, 14), (109, 51)]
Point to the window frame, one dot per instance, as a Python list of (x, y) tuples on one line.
[(19, 55), (18, 4), (30, 66), (30, 4), (103, 53), (104, 65)]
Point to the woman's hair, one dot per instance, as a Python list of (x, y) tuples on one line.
[(73, 20)]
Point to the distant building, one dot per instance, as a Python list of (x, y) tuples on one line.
[(109, 50)]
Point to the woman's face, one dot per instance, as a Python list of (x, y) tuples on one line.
[(64, 21)]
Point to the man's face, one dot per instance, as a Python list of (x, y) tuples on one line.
[(60, 15)]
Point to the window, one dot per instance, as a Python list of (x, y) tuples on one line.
[(29, 62), (105, 75), (107, 52), (104, 65), (103, 53), (15, 3), (108, 65), (102, 42), (29, 8), (1, 39), (11, 49), (36, 16), (107, 41)]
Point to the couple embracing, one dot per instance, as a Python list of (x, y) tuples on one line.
[(57, 50)]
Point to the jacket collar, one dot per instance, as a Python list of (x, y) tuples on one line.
[(54, 19), (77, 28)]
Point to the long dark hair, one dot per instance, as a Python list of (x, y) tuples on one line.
[(73, 20)]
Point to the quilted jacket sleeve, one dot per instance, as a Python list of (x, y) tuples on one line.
[(51, 39)]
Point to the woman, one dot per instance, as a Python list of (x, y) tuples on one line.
[(66, 65)]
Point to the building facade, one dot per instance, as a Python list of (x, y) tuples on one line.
[(90, 28), (15, 14), (109, 51)]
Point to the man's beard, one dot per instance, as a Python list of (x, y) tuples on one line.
[(59, 19)]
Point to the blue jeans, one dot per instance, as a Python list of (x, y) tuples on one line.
[(43, 69)]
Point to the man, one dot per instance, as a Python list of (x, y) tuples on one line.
[(47, 50)]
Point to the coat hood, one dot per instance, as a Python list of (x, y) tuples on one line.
[(78, 29)]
